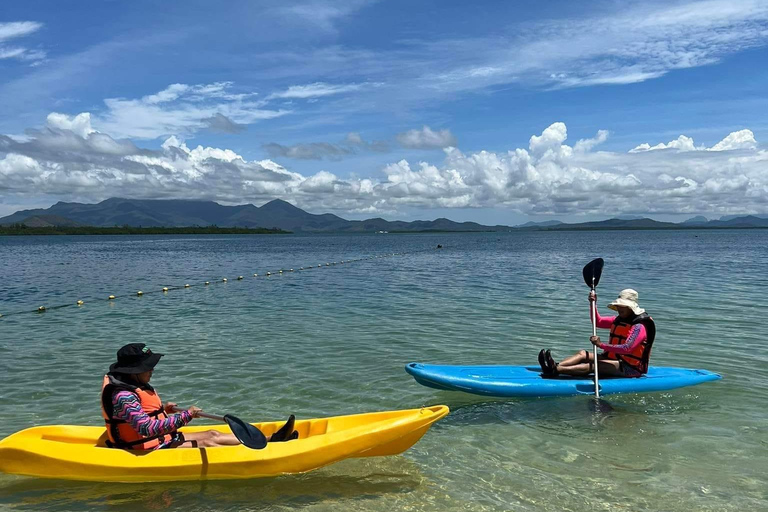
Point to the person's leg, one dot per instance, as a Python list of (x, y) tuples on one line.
[(207, 439), (608, 367), (582, 356), (575, 370), (211, 438)]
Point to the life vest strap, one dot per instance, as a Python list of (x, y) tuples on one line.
[(131, 444)]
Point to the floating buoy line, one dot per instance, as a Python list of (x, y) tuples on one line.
[(166, 289)]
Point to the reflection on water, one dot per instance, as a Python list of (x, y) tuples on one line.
[(348, 481)]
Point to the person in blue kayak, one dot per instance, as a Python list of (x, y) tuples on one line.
[(135, 417), (628, 350)]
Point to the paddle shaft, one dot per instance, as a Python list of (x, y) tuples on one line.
[(594, 347), (212, 417)]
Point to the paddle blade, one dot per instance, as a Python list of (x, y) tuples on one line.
[(593, 270), (598, 405), (246, 433)]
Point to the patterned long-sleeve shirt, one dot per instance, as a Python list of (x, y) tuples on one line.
[(126, 407), (636, 336)]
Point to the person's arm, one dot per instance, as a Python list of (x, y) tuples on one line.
[(637, 335), (602, 322), (126, 407)]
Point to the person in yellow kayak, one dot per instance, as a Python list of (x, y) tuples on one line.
[(136, 419), (628, 349)]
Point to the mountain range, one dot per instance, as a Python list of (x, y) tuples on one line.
[(283, 215), (181, 213)]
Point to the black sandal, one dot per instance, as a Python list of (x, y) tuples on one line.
[(551, 364), (543, 363), (285, 433)]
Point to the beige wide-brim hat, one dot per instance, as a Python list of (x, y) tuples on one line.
[(627, 298)]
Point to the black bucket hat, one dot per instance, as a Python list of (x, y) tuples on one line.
[(134, 358)]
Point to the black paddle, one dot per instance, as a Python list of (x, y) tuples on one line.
[(246, 433), (592, 272)]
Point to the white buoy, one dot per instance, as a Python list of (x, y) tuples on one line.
[(139, 293), (80, 303), (281, 272), (111, 297), (255, 275), (207, 283), (41, 308), (224, 280), (269, 273), (165, 288), (186, 286), (239, 278)]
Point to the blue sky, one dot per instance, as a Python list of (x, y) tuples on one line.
[(498, 112)]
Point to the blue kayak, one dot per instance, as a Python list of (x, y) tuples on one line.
[(526, 381)]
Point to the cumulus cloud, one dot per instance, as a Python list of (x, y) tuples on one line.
[(80, 124), (68, 158), (354, 140), (309, 151), (682, 143), (352, 144), (14, 30), (426, 138), (742, 139), (585, 145)]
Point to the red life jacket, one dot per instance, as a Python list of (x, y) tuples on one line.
[(639, 357), (120, 434)]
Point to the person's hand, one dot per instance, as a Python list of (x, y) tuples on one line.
[(595, 340), (592, 296), (169, 407), (195, 411)]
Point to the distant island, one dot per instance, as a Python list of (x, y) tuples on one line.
[(23, 229), (745, 222), (176, 216)]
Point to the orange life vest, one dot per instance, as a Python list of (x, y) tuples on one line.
[(639, 357), (120, 434)]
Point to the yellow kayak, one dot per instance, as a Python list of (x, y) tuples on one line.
[(79, 453)]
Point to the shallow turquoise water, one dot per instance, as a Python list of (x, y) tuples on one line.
[(333, 340)]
